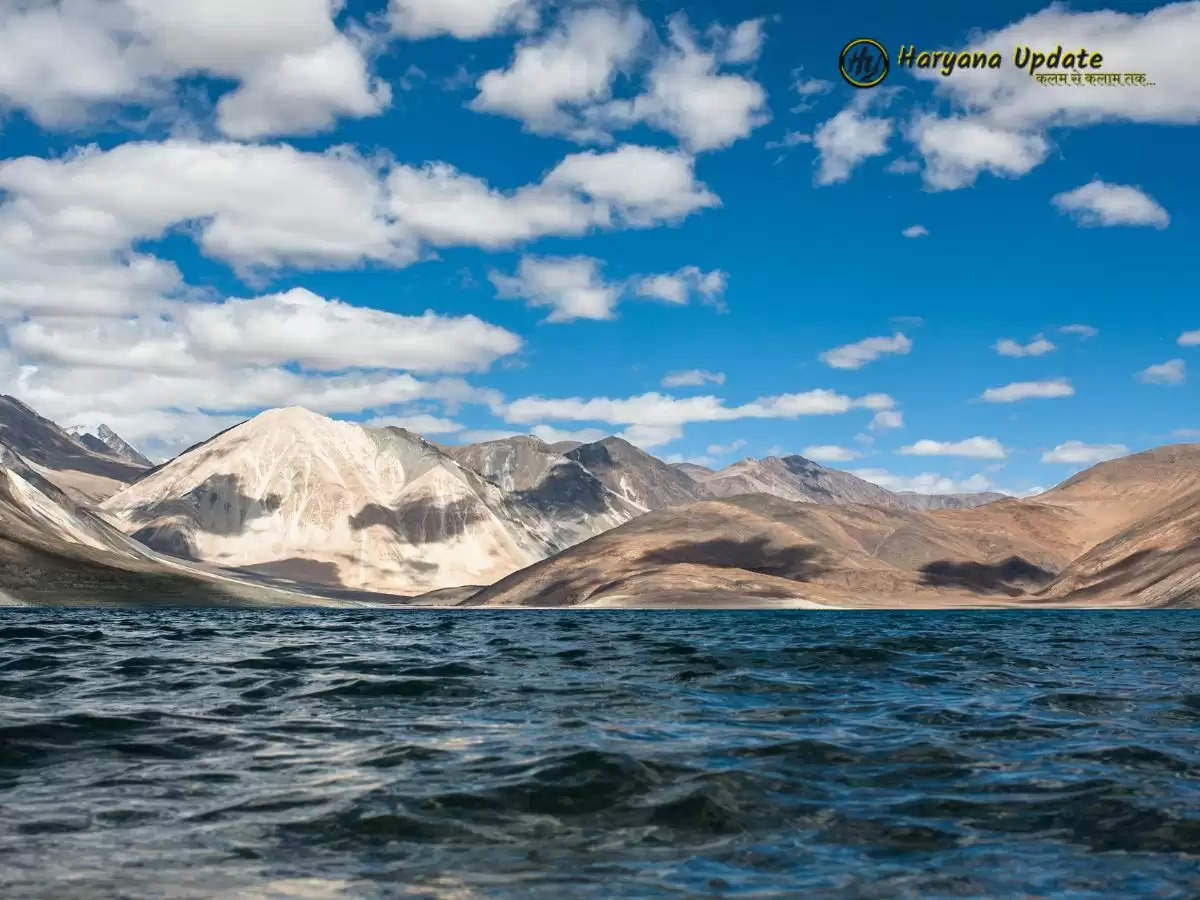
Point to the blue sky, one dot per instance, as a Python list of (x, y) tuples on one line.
[(504, 216)]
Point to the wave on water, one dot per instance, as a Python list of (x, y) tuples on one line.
[(364, 753)]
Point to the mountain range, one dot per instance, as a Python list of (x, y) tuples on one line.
[(291, 506)]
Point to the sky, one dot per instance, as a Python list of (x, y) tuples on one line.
[(675, 222)]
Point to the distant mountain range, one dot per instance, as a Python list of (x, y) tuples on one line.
[(291, 506)]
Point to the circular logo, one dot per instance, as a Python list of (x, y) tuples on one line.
[(864, 63)]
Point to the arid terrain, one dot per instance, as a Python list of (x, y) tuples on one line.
[(292, 507)]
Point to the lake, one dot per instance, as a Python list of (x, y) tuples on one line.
[(456, 754)]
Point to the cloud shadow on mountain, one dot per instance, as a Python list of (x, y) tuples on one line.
[(422, 521), (797, 563), (216, 506), (1011, 577)]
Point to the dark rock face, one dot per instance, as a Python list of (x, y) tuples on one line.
[(86, 472), (636, 475), (104, 440)]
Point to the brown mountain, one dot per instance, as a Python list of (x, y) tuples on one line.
[(797, 478), (53, 550), (637, 476), (87, 473), (1124, 533)]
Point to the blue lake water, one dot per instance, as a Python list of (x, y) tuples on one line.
[(304, 753)]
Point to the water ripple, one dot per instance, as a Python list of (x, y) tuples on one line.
[(330, 754)]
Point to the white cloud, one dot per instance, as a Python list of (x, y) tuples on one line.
[(924, 483), (574, 288), (655, 409), (858, 354), (743, 43), (887, 418), (68, 226), (830, 453), (1084, 331), (1009, 111), (692, 378), (975, 447), (463, 19), (1190, 338), (725, 449), (808, 87), (915, 231), (1098, 203), (680, 286), (639, 186), (1026, 390), (561, 82), (552, 435), (1039, 346), (902, 167), (295, 71), (418, 423), (957, 149), (689, 97), (790, 139), (573, 65), (1173, 371), (571, 287), (847, 139), (1079, 452), (649, 436), (294, 327)]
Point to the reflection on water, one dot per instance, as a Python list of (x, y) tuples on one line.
[(332, 754)]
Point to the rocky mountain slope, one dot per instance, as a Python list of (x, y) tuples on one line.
[(293, 494), (571, 497), (634, 474), (1124, 533), (52, 550), (797, 478), (102, 439), (85, 472)]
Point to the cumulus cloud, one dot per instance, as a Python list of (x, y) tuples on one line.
[(1190, 338), (924, 483), (294, 71), (830, 453), (1098, 203), (418, 423), (571, 287), (1083, 331), (552, 435), (561, 81), (915, 231), (1027, 390), (887, 418), (463, 19), (858, 354), (957, 149), (1173, 371), (725, 449), (574, 287), (69, 226), (849, 138), (1039, 346), (572, 65), (692, 378), (688, 96), (1000, 117), (1079, 452), (681, 286), (975, 447), (655, 409)]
